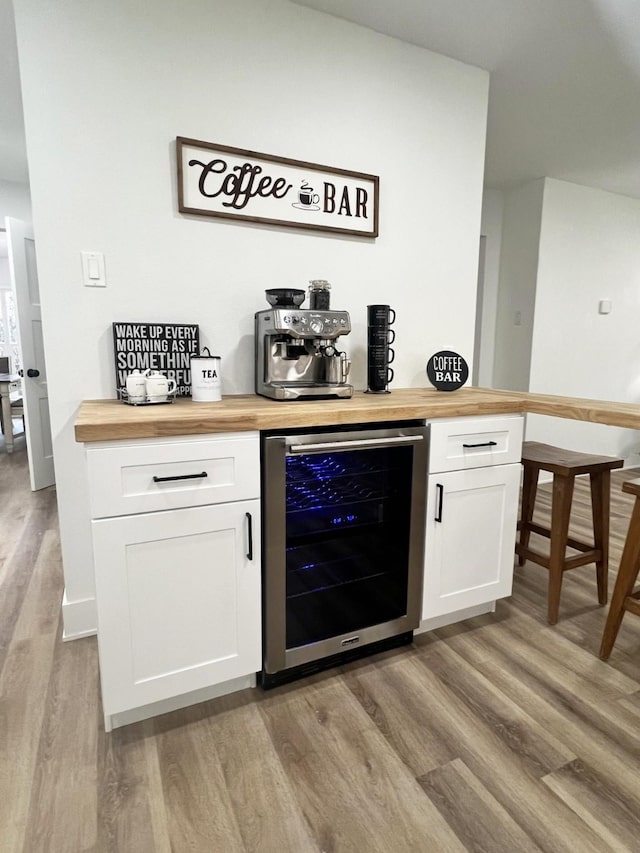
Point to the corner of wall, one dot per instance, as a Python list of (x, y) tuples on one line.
[(80, 618), (522, 216)]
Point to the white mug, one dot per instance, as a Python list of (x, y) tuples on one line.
[(136, 387), (205, 378), (158, 386)]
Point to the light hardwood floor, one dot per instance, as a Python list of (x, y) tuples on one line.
[(497, 734)]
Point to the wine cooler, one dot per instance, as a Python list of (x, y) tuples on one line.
[(343, 536)]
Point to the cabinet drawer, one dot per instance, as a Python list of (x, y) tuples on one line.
[(147, 476), (462, 443)]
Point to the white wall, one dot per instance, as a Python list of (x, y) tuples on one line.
[(15, 201), (491, 229), (106, 89), (517, 289), (589, 250)]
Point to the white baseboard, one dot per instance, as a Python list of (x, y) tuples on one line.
[(154, 709), (458, 616), (80, 618)]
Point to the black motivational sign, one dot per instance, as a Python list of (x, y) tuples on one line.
[(166, 347), (447, 371)]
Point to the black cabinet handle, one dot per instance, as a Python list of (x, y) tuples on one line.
[(249, 536), (483, 444), (180, 477), (440, 500)]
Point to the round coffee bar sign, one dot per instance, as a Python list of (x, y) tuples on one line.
[(447, 371)]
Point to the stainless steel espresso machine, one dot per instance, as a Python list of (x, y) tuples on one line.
[(297, 354)]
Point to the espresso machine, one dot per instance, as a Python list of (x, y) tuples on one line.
[(297, 354)]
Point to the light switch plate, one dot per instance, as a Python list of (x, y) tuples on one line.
[(93, 273)]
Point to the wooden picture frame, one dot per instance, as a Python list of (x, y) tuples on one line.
[(254, 187)]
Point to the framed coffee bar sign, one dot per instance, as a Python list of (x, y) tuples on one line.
[(215, 180)]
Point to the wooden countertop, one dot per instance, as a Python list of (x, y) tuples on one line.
[(108, 420)]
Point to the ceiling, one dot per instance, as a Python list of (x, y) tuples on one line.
[(564, 96), (565, 81)]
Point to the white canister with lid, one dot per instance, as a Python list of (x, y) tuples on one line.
[(205, 378)]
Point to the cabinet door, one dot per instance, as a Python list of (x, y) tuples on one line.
[(470, 538), (178, 601)]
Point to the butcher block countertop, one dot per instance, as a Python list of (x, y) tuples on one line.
[(110, 420)]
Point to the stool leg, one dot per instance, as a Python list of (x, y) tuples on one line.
[(627, 574), (560, 515), (600, 501), (529, 488)]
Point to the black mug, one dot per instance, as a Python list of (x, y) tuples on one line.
[(379, 374), (378, 377), (379, 336), (380, 315), (381, 355)]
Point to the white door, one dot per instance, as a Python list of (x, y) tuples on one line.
[(24, 281), (470, 538), (178, 596)]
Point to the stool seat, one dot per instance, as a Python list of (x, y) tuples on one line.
[(565, 462), (624, 599), (566, 465)]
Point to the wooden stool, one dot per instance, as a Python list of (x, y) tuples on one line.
[(565, 465), (623, 597)]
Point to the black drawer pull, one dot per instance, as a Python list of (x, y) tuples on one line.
[(180, 477), (483, 444), (250, 536), (440, 500)]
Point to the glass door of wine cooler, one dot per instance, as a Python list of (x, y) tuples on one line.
[(344, 523)]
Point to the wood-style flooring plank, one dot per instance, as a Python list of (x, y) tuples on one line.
[(199, 812), (534, 745), (23, 691), (506, 775), (125, 814), (591, 734), (157, 807), (590, 796), (401, 715), (353, 788), (40, 611), (64, 783), (263, 799), (30, 588), (476, 817), (15, 583)]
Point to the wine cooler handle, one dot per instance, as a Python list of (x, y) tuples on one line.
[(329, 446), (439, 501), (249, 536)]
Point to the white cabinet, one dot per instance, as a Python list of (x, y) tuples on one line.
[(177, 590), (471, 513)]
